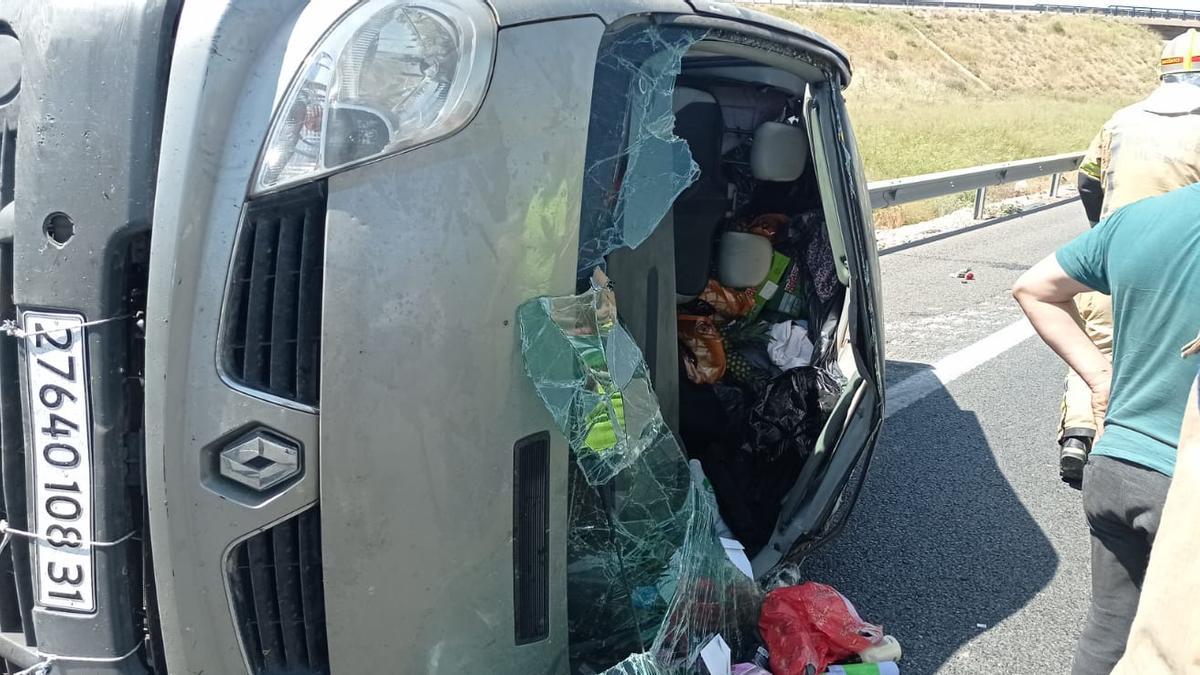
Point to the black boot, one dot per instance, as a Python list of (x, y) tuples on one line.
[(1073, 453)]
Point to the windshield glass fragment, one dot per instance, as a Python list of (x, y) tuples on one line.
[(647, 573), (634, 170)]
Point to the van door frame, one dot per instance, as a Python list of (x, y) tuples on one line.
[(825, 488)]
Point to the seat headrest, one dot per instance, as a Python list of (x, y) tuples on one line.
[(779, 153), (684, 96)]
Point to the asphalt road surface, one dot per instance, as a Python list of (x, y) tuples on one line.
[(965, 545)]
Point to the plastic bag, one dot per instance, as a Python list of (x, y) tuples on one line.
[(812, 625), (787, 418), (830, 385), (704, 353), (750, 486), (729, 304)]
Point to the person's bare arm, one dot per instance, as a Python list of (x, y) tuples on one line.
[(1046, 295)]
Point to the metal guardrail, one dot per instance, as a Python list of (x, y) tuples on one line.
[(1152, 12), (1111, 10), (928, 186), (980, 178)]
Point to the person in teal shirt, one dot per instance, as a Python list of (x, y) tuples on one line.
[(1146, 255)]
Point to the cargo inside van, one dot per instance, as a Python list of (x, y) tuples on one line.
[(735, 297), (706, 235)]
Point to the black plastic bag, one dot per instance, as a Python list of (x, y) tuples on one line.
[(787, 417)]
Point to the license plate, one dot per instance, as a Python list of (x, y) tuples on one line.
[(60, 421)]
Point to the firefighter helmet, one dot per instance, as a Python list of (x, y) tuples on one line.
[(1181, 55)]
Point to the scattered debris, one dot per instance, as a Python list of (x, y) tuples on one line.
[(887, 650), (884, 668), (717, 657), (810, 626)]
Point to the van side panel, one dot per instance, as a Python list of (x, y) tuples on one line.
[(423, 392)]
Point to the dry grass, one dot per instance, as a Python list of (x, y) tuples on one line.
[(1009, 86)]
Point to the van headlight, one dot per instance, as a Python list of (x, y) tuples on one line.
[(390, 75)]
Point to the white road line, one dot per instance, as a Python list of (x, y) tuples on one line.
[(916, 387)]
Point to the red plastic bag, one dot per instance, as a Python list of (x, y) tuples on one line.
[(812, 624)]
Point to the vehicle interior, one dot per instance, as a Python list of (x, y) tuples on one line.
[(692, 294), (726, 275)]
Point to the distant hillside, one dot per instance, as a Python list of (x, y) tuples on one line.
[(943, 89)]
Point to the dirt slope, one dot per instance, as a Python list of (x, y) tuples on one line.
[(943, 89)]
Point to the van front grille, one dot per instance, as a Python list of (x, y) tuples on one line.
[(272, 333), (278, 598)]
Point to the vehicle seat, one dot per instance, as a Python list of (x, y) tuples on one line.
[(645, 278), (699, 209), (779, 153)]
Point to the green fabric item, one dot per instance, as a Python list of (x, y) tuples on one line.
[(770, 286), (1147, 256), (602, 435)]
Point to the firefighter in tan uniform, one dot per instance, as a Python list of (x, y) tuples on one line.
[(1146, 149)]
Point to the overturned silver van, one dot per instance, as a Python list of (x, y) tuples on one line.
[(421, 336)]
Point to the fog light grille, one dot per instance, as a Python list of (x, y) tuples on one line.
[(275, 580), (272, 317)]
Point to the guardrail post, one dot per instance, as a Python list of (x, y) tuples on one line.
[(1055, 180), (980, 198)]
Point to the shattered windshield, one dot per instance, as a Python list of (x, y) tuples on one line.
[(656, 577), (649, 583), (647, 573), (634, 171)]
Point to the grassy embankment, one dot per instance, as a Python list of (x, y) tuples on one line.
[(997, 86)]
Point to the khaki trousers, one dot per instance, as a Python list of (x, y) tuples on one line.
[(1095, 314)]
